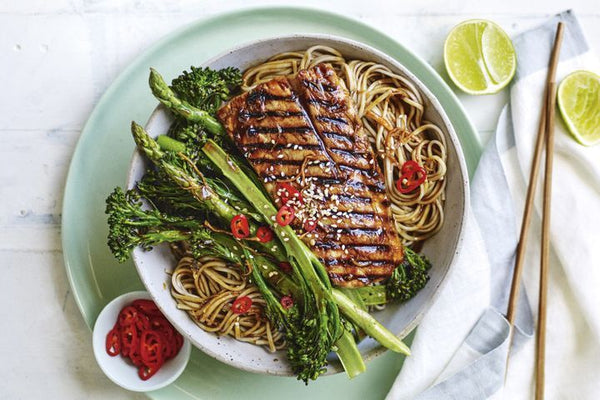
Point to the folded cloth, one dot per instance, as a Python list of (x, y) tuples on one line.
[(460, 348)]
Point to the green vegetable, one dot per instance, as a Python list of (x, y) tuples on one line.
[(131, 226), (404, 283), (301, 334), (368, 324), (320, 323), (190, 133), (369, 295), (177, 167), (345, 345), (170, 198), (193, 123), (170, 144), (205, 88), (409, 277), (166, 96)]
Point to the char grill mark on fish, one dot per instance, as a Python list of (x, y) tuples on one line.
[(278, 126)]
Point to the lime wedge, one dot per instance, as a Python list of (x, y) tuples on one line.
[(479, 57), (579, 105)]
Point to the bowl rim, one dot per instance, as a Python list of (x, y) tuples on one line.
[(143, 386), (463, 176)]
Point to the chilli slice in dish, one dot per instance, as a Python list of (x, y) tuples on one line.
[(145, 336)]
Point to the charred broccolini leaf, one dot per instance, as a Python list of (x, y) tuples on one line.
[(170, 198), (167, 196)]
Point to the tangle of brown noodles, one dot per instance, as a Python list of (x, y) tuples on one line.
[(207, 287), (391, 109)]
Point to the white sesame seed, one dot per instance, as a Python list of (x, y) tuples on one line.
[(272, 274), (286, 239), (265, 267)]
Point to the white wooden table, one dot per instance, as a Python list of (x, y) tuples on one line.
[(56, 59)]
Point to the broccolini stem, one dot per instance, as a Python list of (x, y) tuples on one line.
[(369, 324), (167, 143), (349, 355), (223, 246), (166, 96), (369, 295)]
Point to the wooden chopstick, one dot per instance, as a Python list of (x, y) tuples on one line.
[(526, 221), (544, 128), (545, 250)]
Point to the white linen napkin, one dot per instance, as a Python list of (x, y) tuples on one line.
[(460, 348)]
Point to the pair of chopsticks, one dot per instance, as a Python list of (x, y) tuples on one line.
[(545, 136)]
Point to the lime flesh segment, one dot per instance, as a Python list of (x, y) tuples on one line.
[(579, 105), (479, 57)]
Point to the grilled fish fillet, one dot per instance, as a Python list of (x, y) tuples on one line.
[(304, 130)]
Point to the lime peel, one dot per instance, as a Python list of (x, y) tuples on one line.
[(579, 105), (479, 57)]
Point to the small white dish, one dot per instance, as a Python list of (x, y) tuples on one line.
[(119, 369)]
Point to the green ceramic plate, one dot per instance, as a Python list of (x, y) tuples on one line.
[(100, 163)]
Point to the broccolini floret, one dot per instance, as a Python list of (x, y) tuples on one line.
[(129, 225), (205, 88), (409, 277)]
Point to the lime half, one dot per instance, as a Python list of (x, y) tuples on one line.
[(479, 57), (579, 104)]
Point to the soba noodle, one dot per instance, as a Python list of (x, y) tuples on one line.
[(207, 287)]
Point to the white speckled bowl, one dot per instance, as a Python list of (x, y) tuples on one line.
[(442, 249)]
